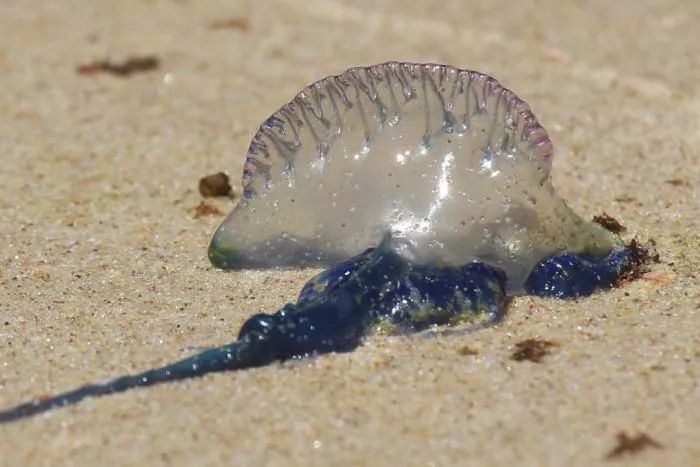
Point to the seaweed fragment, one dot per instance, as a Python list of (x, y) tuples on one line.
[(136, 64), (240, 24), (627, 444), (609, 223), (532, 350), (638, 261)]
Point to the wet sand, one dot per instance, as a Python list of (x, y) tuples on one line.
[(103, 267)]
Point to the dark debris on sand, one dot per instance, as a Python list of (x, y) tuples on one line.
[(533, 350), (677, 182), (240, 24), (608, 222), (466, 351), (632, 444), (122, 69)]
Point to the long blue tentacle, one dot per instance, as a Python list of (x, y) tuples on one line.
[(241, 354)]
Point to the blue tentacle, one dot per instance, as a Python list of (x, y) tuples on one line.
[(241, 354)]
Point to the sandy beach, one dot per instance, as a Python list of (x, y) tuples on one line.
[(103, 265)]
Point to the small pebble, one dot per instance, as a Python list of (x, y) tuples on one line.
[(215, 185)]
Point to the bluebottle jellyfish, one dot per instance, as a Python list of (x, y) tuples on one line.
[(425, 191)]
